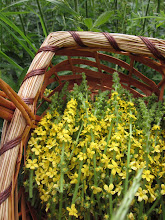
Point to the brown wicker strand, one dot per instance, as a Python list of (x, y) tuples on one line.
[(34, 73), (5, 194), (11, 144), (152, 48), (77, 38), (112, 41), (28, 101), (48, 48)]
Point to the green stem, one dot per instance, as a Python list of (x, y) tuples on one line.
[(78, 180), (86, 8), (77, 139), (163, 208), (128, 156), (158, 6), (141, 210), (31, 184), (76, 6), (31, 180), (62, 168), (61, 180), (153, 206), (60, 206), (42, 16), (109, 136), (110, 195), (124, 16), (144, 24)]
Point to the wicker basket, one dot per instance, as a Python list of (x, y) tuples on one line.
[(81, 50)]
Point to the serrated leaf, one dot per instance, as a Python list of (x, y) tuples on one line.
[(102, 19)]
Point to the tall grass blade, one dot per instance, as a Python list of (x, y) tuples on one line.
[(76, 6), (18, 40), (124, 207), (8, 13), (42, 20), (10, 60), (15, 28), (43, 26), (144, 24)]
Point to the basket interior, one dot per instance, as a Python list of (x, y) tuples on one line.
[(99, 67)]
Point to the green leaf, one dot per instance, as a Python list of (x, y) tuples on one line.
[(88, 22), (15, 28), (10, 60), (64, 5), (43, 26), (102, 19)]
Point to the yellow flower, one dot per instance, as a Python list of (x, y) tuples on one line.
[(156, 127), (134, 165), (163, 189), (85, 170), (113, 146), (131, 216), (82, 156), (51, 172), (87, 205), (114, 167), (72, 211), (146, 175), (151, 192), (118, 188), (36, 149), (109, 189), (96, 189), (90, 153), (64, 136), (32, 164), (141, 194), (74, 178), (106, 217)]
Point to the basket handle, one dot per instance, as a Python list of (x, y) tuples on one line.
[(7, 107)]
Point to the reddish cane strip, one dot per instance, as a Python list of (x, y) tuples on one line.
[(5, 194), (11, 144), (152, 48)]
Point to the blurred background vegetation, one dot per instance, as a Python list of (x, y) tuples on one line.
[(25, 24)]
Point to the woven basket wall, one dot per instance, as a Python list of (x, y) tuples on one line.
[(96, 54)]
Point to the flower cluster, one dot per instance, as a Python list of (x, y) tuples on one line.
[(82, 161)]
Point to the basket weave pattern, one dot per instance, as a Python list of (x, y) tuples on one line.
[(20, 110)]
